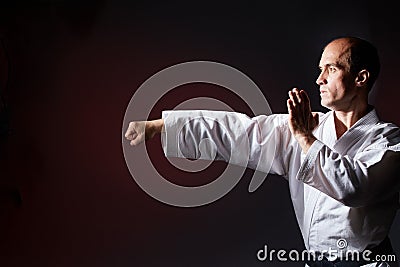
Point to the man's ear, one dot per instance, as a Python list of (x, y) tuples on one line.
[(362, 78)]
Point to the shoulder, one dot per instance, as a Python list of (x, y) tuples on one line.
[(388, 131), (385, 129), (384, 135)]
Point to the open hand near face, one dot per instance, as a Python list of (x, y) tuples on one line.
[(302, 121)]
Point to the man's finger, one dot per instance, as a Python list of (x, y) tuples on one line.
[(130, 130), (130, 134), (297, 96), (304, 96), (137, 140), (293, 98), (127, 133), (316, 118), (290, 106)]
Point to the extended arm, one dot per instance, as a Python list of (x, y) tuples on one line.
[(219, 135), (229, 136)]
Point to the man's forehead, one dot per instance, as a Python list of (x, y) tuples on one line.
[(334, 54), (328, 59)]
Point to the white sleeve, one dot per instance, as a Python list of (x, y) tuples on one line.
[(371, 175), (229, 136)]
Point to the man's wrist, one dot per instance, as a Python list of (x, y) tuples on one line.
[(305, 141), (153, 127), (158, 126)]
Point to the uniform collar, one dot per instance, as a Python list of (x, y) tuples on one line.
[(356, 131)]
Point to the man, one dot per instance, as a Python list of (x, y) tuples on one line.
[(342, 166)]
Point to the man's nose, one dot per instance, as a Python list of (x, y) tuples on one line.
[(321, 80)]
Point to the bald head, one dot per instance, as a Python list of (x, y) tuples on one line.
[(357, 54)]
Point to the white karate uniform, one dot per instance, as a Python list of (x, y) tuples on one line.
[(341, 189)]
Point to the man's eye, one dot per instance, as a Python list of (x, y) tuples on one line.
[(332, 69)]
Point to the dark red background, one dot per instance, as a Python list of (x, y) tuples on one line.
[(67, 198)]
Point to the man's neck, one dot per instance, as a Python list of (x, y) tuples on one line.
[(345, 119)]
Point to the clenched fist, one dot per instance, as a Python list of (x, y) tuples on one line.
[(138, 131)]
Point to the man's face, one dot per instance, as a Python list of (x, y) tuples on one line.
[(337, 85)]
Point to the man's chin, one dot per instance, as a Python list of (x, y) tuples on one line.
[(325, 104)]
